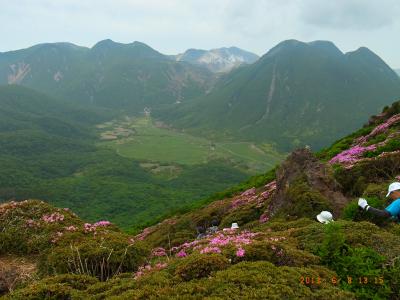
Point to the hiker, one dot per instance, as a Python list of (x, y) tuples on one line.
[(325, 217), (201, 232), (393, 210), (234, 226), (214, 227)]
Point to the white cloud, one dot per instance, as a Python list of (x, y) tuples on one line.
[(354, 14)]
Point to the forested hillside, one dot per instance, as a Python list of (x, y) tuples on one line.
[(296, 94), (48, 150), (113, 75)]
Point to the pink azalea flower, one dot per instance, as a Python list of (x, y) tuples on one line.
[(161, 265), (263, 218), (210, 250), (159, 252), (249, 192), (240, 252), (102, 224), (53, 218), (181, 253)]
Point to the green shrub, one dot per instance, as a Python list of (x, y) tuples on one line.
[(65, 286), (98, 256), (200, 265), (391, 276), (355, 181), (279, 254), (241, 216), (389, 146), (354, 213), (303, 200), (18, 237), (353, 262)]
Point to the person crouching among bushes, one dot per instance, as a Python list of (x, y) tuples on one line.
[(201, 232), (393, 210), (213, 228)]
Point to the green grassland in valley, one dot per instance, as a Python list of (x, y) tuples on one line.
[(145, 139)]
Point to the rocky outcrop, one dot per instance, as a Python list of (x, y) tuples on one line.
[(303, 168), (19, 71)]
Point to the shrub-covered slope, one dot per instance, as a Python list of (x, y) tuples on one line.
[(280, 251)]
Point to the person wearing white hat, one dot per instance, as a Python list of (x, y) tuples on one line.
[(325, 217), (393, 210), (235, 226)]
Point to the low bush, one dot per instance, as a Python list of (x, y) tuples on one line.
[(98, 256), (199, 265), (363, 265), (59, 287)]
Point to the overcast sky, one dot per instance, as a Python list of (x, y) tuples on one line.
[(172, 26)]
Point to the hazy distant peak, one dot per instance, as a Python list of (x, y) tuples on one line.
[(365, 54), (107, 43), (326, 45), (292, 44), (219, 59)]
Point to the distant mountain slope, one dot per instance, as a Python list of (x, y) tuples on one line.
[(397, 71), (22, 108), (296, 94), (48, 150), (114, 75), (218, 60)]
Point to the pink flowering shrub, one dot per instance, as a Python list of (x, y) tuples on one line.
[(240, 252), (71, 228), (351, 155), (379, 129), (148, 268), (144, 234), (264, 218), (181, 253), (93, 227), (157, 252), (251, 196), (270, 189), (32, 223), (102, 224), (30, 226), (216, 243), (56, 237), (89, 227), (249, 192), (355, 154), (210, 250), (53, 218)]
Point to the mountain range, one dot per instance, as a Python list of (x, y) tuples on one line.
[(296, 94), (114, 75), (218, 60)]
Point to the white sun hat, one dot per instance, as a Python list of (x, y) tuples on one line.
[(325, 217), (234, 226), (393, 187)]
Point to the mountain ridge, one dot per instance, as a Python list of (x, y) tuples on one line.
[(296, 84), (218, 60)]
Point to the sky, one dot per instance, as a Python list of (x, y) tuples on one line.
[(173, 26)]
